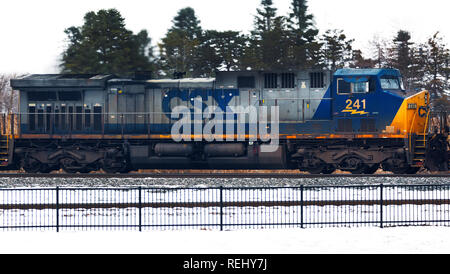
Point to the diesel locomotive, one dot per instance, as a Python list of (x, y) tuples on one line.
[(356, 120)]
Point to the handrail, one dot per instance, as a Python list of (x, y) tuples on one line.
[(410, 129), (426, 125)]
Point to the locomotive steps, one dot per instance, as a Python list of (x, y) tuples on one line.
[(3, 150), (420, 148)]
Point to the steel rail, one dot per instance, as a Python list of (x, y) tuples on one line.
[(219, 175)]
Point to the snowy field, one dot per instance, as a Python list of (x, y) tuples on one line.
[(267, 240), (410, 240)]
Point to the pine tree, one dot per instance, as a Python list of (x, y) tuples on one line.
[(251, 55), (187, 21), (264, 21), (304, 49), (358, 60), (336, 49), (179, 49), (223, 49), (268, 39), (104, 45), (401, 56)]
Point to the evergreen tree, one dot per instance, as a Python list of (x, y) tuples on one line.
[(401, 56), (250, 58), (208, 56), (264, 21), (402, 50), (358, 60), (304, 49), (187, 21), (268, 39), (274, 46), (224, 49), (336, 49), (104, 45), (179, 49)]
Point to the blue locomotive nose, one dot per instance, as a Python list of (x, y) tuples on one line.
[(364, 100)]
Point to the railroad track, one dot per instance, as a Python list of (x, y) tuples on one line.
[(218, 175)]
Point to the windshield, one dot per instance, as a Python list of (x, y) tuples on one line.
[(402, 85), (361, 87), (390, 83)]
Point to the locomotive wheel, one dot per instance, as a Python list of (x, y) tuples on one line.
[(361, 169), (113, 166), (316, 166), (400, 170), (114, 170), (353, 164), (316, 171), (70, 165), (399, 167), (412, 170), (85, 171), (45, 168), (31, 165), (322, 169), (329, 169), (372, 169), (406, 170)]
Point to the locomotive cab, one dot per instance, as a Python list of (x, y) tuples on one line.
[(374, 101)]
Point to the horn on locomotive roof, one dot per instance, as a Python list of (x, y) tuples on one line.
[(143, 75), (179, 74)]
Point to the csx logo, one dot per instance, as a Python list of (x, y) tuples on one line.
[(355, 107), (423, 111), (221, 97)]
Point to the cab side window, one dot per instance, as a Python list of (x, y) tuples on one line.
[(355, 85), (360, 87), (343, 87)]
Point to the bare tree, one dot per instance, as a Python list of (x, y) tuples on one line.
[(9, 99), (379, 51), (433, 58)]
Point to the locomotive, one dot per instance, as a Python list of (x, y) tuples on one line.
[(356, 120)]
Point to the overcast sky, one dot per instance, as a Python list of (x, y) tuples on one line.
[(32, 32)]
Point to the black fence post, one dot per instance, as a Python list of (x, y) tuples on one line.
[(57, 209), (140, 209), (221, 207), (381, 206), (301, 206)]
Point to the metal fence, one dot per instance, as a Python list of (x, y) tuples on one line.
[(223, 208)]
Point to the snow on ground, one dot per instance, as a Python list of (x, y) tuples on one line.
[(409, 240), (209, 182), (427, 239)]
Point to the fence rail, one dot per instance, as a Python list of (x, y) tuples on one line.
[(224, 208)]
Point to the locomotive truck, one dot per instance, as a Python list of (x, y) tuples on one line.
[(356, 120)]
